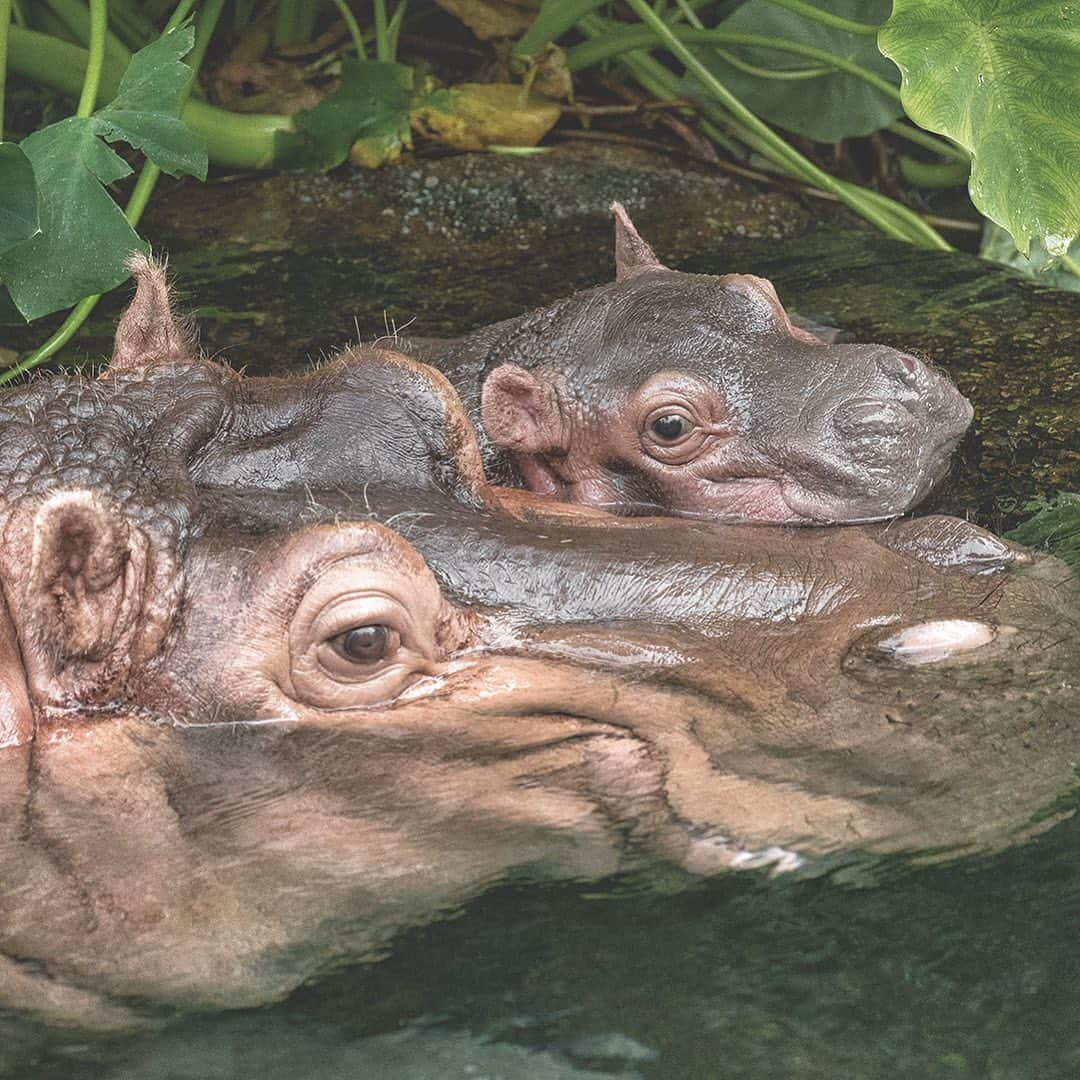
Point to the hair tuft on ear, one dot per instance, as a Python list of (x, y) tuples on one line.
[(632, 254), (149, 334)]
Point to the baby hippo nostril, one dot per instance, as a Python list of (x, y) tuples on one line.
[(870, 417), (906, 370)]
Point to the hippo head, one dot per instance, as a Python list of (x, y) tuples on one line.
[(695, 394)]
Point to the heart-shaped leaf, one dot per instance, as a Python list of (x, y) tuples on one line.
[(827, 106), (1002, 78), (146, 109), (84, 236), (18, 197)]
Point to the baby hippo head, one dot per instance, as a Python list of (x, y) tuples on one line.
[(693, 394)]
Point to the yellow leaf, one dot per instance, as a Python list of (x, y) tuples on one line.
[(473, 116)]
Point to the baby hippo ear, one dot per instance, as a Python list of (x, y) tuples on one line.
[(521, 411), (148, 333), (632, 254)]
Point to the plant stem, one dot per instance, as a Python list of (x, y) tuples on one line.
[(74, 15), (5, 21), (204, 31), (383, 51), (637, 37), (1070, 264), (99, 24), (393, 29), (774, 73), (354, 30), (285, 23), (859, 200), (928, 142), (17, 11), (809, 11)]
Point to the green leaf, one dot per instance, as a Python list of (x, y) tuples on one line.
[(19, 208), (146, 109), (998, 245), (367, 115), (825, 107), (1002, 78), (9, 313), (84, 236), (1055, 527)]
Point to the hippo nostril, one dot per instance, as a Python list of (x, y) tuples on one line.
[(904, 369), (865, 416)]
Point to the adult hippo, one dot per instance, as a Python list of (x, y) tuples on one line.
[(280, 674), (666, 392)]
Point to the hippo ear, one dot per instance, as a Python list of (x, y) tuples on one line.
[(520, 411), (632, 254), (148, 333), (83, 586), (16, 719)]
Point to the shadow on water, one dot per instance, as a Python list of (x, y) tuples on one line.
[(966, 970)]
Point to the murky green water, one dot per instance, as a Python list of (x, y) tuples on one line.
[(968, 970)]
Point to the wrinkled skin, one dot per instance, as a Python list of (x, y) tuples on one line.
[(691, 394), (271, 691)]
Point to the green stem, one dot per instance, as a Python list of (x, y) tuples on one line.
[(383, 51), (74, 15), (775, 73), (17, 11), (137, 201), (934, 174), (354, 30), (637, 37), (1070, 264), (5, 22), (928, 142), (787, 156), (808, 11), (285, 22), (99, 25), (393, 29), (204, 31)]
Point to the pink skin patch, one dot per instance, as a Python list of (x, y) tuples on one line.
[(938, 640)]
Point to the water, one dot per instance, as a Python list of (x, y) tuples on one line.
[(857, 970), (964, 971)]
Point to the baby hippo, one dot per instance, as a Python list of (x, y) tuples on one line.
[(694, 394)]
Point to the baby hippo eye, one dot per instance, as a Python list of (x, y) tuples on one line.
[(670, 427), (364, 644)]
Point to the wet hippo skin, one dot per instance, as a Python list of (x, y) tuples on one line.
[(667, 392), (274, 690)]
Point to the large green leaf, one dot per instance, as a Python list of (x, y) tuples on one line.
[(368, 114), (84, 236), (1002, 78), (146, 109), (826, 107), (18, 197), (998, 245)]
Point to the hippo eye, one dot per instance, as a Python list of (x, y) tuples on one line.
[(670, 428), (365, 644)]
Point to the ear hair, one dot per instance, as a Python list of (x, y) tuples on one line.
[(521, 411), (83, 587), (148, 333), (632, 254)]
